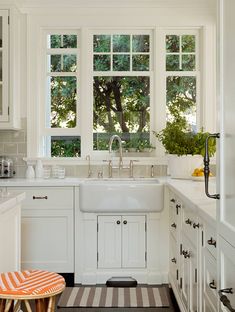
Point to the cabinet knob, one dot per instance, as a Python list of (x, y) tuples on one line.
[(212, 242), (212, 284), (196, 225), (124, 222), (173, 260), (173, 225), (173, 200), (178, 206), (118, 222), (188, 221), (186, 254)]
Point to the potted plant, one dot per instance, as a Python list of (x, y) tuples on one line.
[(184, 146)]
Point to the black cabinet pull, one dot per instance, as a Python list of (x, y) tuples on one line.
[(196, 225), (212, 242), (188, 221), (224, 299), (173, 225), (186, 254), (207, 167), (173, 200), (212, 285), (124, 222), (40, 197), (173, 260), (178, 206), (118, 222)]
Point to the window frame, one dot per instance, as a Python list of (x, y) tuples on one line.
[(157, 101)]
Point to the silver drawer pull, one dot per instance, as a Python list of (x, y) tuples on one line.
[(212, 242), (40, 197)]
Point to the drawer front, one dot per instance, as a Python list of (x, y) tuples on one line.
[(47, 197), (210, 277), (173, 264), (210, 239), (173, 222), (190, 225)]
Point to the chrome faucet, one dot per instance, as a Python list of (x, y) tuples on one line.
[(116, 137)]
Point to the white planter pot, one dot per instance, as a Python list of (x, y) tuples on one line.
[(182, 167)]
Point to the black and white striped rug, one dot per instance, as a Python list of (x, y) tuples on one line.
[(94, 296)]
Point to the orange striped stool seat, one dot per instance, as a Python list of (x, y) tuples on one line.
[(38, 285)]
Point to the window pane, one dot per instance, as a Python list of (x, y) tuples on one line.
[(65, 146), (121, 62), (63, 63), (102, 62), (63, 102), (140, 43), (121, 43), (101, 43), (62, 41), (121, 106), (181, 98), (188, 62), (140, 62), (188, 43), (69, 41), (172, 43), (172, 62)]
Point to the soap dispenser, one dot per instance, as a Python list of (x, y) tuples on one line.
[(39, 169)]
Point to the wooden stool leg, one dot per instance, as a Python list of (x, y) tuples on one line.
[(9, 306), (27, 305), (17, 306), (40, 305), (51, 304), (2, 304)]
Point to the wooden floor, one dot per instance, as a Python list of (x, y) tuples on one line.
[(173, 307)]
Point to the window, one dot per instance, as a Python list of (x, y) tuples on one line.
[(182, 76), (61, 120), (121, 89)]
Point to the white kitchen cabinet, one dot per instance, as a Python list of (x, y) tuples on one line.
[(185, 230), (10, 80), (48, 229), (10, 226), (121, 241), (4, 29)]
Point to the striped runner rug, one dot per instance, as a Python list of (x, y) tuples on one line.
[(94, 296)]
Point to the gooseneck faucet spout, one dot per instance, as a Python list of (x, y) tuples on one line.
[(116, 137)]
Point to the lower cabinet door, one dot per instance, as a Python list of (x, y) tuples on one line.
[(227, 271), (47, 240), (121, 242), (109, 241), (185, 272), (194, 300), (133, 242)]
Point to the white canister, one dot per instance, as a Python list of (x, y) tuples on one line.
[(30, 174), (39, 169)]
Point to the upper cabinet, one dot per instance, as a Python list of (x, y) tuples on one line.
[(9, 69)]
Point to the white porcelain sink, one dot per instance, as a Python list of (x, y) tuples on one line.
[(121, 195)]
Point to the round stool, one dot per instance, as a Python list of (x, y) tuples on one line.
[(38, 285)]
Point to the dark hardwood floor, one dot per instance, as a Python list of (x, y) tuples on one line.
[(173, 307)]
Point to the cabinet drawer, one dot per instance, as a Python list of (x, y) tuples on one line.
[(173, 222), (210, 239), (210, 277), (190, 225), (47, 197)]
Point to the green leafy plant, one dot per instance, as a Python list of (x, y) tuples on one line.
[(177, 140)]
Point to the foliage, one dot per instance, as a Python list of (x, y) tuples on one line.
[(65, 148), (177, 140)]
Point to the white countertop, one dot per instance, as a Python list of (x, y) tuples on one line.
[(193, 194), (10, 199)]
